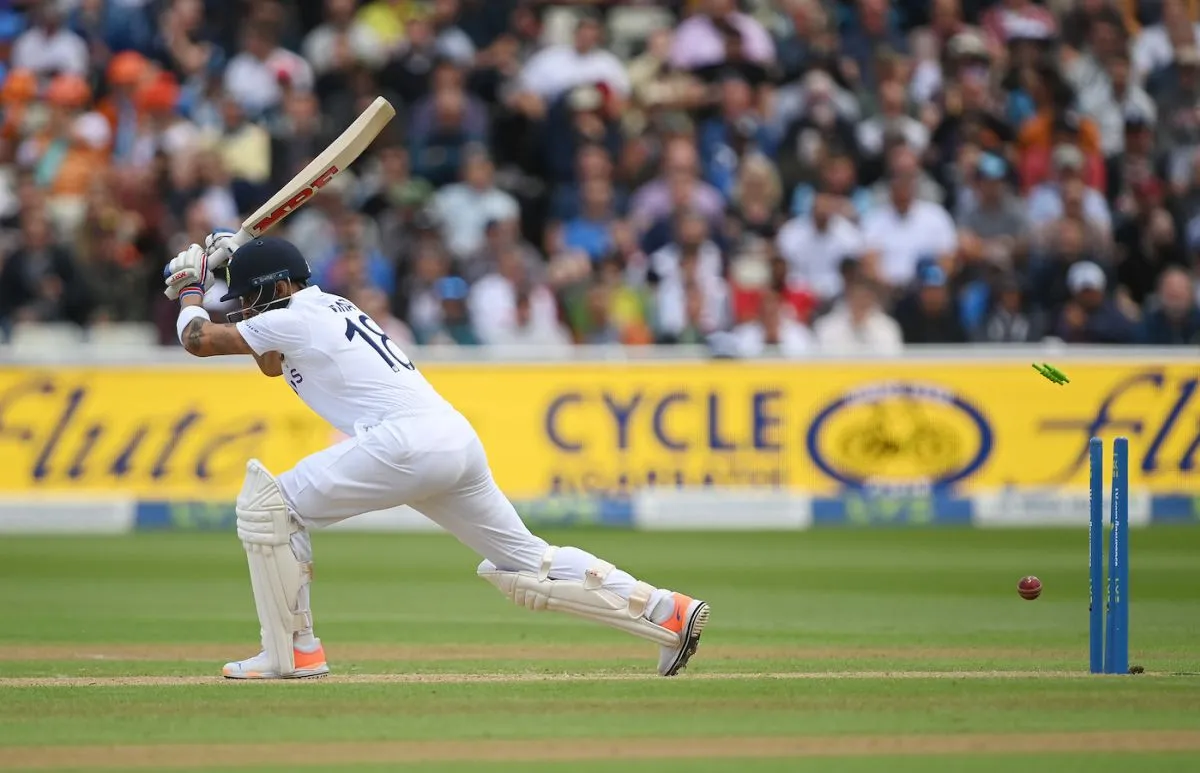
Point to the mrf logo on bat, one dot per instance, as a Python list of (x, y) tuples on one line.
[(306, 193)]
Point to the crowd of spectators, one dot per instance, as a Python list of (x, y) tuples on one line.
[(759, 176)]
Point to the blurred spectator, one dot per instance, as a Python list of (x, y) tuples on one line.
[(737, 132), (591, 231), (390, 20), (418, 297), (355, 265), (296, 137), (798, 41), (857, 324), (1147, 242), (904, 161), (41, 281), (257, 75), (996, 215), (1089, 317), (1010, 20), (1178, 135), (407, 72), (454, 326), (1045, 138), (449, 76), (773, 333), (680, 168), (754, 208), (48, 48), (526, 331), (690, 258), (441, 148), (872, 32), (1106, 90), (929, 314), (592, 162), (245, 150), (718, 35), (1174, 319), (1067, 245), (892, 119), (837, 179), (691, 297), (1138, 161), (1012, 319), (126, 71), (754, 275), (465, 208), (342, 41), (187, 42), (904, 230), (581, 117), (814, 246), (1045, 202), (494, 299), (1157, 45), (556, 70)]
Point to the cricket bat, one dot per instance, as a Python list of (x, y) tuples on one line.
[(340, 154)]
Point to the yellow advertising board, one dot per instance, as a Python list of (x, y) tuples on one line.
[(613, 428)]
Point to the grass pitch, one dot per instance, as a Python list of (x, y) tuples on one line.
[(881, 650)]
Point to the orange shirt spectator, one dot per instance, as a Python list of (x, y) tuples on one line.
[(1046, 131)]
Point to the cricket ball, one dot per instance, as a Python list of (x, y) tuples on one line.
[(1029, 588)]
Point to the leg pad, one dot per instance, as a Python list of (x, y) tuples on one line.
[(584, 598)]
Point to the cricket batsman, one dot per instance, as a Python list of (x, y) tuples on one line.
[(406, 445)]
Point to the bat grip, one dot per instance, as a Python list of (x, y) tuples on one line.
[(221, 256)]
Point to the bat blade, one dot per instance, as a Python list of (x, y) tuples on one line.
[(311, 179)]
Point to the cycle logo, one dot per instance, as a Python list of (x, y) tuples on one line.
[(899, 436)]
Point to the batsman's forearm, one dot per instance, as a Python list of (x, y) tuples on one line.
[(203, 338)]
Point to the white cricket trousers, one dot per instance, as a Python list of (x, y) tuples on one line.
[(435, 464)]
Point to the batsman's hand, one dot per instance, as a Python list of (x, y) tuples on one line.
[(219, 246), (188, 269)]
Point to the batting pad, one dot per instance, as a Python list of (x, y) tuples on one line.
[(584, 598), (276, 576)]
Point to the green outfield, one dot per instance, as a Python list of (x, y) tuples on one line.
[(872, 650)]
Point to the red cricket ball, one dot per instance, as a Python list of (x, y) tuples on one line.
[(1029, 588)]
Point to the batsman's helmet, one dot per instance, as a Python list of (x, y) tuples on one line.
[(256, 267)]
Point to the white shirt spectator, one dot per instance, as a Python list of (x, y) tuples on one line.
[(365, 47), (492, 304), (1152, 49), (1045, 205), (671, 299), (59, 51), (750, 339), (877, 334), (544, 337), (254, 82), (813, 256), (926, 230), (557, 69), (665, 261), (464, 213), (871, 131)]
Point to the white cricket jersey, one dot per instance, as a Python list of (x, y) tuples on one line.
[(340, 362)]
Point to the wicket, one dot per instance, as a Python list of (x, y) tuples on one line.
[(1109, 644)]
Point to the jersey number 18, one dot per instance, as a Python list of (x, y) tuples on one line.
[(369, 332)]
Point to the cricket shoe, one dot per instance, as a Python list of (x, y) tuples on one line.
[(687, 621), (309, 665)]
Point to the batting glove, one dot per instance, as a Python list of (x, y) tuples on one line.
[(188, 273)]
